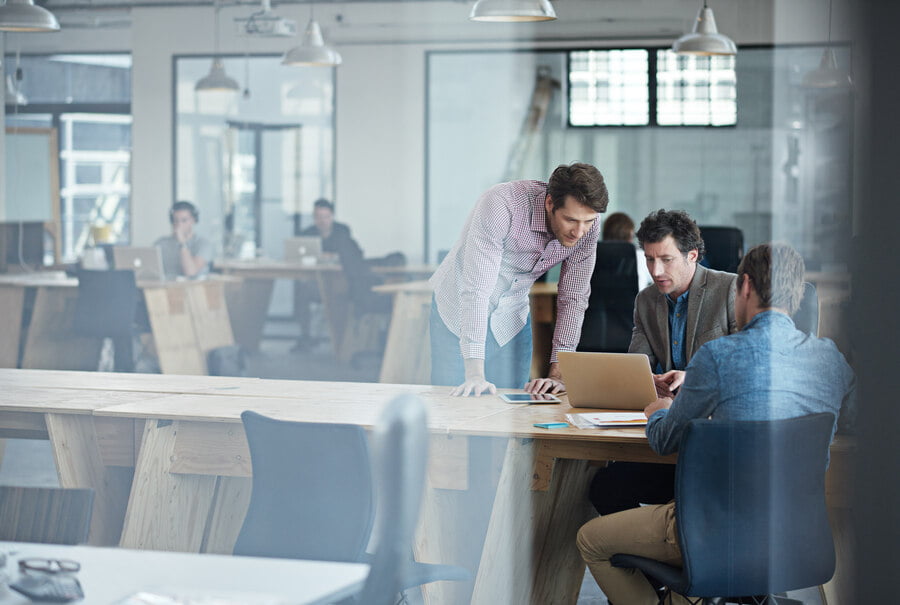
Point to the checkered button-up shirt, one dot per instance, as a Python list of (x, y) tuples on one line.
[(504, 247)]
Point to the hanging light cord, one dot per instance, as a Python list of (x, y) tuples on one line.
[(830, 6)]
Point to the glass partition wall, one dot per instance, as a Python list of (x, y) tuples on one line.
[(733, 141), (255, 158)]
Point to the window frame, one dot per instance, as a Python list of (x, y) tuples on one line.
[(55, 111), (652, 97)]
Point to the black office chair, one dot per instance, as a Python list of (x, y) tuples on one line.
[(806, 317), (751, 518), (49, 515), (313, 496), (724, 248), (609, 318), (105, 308)]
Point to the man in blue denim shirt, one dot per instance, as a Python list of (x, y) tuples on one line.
[(768, 370)]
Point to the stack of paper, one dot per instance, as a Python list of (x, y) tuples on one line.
[(607, 419)]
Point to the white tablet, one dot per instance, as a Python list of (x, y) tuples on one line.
[(530, 398)]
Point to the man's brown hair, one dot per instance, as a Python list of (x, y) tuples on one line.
[(618, 227), (776, 275), (583, 182), (658, 225)]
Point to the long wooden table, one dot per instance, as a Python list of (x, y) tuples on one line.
[(187, 320), (191, 463)]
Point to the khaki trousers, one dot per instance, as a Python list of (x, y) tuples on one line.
[(646, 531)]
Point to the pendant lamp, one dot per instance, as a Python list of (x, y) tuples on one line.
[(26, 16), (827, 74), (216, 79), (312, 50), (705, 39), (512, 11)]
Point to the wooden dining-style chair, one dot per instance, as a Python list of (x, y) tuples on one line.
[(50, 515)]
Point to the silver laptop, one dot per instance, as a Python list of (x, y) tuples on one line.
[(298, 248), (615, 381), (145, 261)]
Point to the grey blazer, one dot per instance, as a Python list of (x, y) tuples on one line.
[(710, 315)]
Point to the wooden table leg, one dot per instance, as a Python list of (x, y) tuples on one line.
[(232, 498), (166, 511), (839, 590), (529, 553), (407, 354), (12, 303), (79, 464)]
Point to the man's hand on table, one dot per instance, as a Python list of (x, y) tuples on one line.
[(475, 383), (662, 403), (475, 387), (667, 383), (552, 384)]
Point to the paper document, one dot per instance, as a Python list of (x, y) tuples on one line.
[(607, 419)]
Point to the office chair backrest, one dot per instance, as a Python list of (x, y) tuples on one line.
[(752, 518), (106, 303), (401, 439), (312, 491), (806, 317), (724, 247), (45, 514), (609, 318)]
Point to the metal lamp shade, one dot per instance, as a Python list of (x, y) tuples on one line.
[(24, 16), (217, 79), (512, 10), (312, 51), (705, 39), (827, 74)]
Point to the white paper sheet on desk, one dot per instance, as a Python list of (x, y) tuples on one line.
[(607, 419)]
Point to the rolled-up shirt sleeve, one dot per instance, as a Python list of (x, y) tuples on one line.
[(573, 292), (697, 398), (490, 225)]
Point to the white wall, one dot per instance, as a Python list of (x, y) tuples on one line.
[(380, 87)]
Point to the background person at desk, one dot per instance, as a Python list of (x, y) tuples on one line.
[(336, 238), (184, 253), (480, 326), (618, 227), (687, 306), (769, 370)]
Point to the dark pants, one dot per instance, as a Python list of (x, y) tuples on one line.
[(624, 485)]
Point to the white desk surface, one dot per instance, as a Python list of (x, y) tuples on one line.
[(109, 575)]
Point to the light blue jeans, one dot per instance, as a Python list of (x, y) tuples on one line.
[(508, 367)]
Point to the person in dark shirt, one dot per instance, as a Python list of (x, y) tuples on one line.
[(336, 238)]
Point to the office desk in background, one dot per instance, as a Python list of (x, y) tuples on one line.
[(109, 575), (407, 354), (249, 302), (187, 320)]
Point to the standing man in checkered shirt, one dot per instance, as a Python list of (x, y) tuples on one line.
[(480, 321)]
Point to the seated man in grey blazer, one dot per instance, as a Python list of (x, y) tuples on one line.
[(686, 306)]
